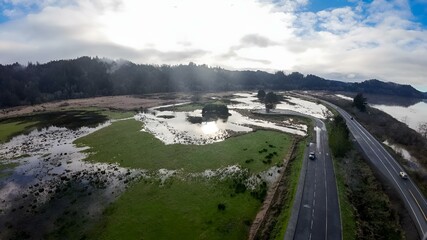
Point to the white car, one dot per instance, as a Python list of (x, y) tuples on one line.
[(403, 175), (311, 156)]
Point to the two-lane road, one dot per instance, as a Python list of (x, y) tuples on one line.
[(318, 216), (316, 211), (381, 159)]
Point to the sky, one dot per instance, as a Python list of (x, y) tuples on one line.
[(347, 40)]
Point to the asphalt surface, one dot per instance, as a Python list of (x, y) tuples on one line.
[(319, 212), (380, 158), (316, 211)]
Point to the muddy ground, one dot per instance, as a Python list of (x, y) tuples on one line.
[(111, 102)]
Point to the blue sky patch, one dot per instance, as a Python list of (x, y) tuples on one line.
[(319, 5), (419, 9)]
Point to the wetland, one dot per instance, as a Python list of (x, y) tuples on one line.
[(102, 174)]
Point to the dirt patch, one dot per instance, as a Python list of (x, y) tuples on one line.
[(111, 102)]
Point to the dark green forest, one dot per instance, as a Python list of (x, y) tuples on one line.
[(90, 77)]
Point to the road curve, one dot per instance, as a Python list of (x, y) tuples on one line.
[(381, 159)]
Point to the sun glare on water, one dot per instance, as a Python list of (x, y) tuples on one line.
[(209, 127)]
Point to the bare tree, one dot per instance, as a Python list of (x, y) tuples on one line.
[(422, 129)]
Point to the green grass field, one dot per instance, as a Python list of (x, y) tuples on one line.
[(184, 209), (70, 118), (4, 167), (178, 210), (11, 128), (123, 142)]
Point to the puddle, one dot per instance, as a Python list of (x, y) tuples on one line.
[(252, 181), (51, 180)]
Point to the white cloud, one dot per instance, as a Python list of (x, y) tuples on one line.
[(376, 40), (12, 13)]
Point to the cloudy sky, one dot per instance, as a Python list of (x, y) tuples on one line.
[(348, 40)]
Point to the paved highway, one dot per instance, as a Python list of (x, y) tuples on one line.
[(380, 158), (319, 212), (316, 212)]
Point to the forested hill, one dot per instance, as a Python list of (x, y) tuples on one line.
[(88, 77)]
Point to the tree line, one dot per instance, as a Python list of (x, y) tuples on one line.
[(90, 77)]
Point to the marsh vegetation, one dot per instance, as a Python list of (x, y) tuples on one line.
[(58, 163)]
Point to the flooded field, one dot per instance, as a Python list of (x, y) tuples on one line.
[(175, 127), (49, 187), (52, 179)]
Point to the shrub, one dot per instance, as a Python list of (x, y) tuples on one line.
[(221, 206)]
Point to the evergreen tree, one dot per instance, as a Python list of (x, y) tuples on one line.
[(359, 102)]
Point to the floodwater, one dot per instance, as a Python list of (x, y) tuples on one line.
[(52, 179), (412, 161), (250, 101), (412, 115), (51, 183), (174, 127), (410, 111)]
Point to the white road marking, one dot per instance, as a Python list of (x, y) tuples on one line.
[(392, 176), (425, 218), (326, 202), (318, 130)]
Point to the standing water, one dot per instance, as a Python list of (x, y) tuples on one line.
[(52, 182)]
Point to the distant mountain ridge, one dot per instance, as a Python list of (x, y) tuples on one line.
[(90, 77)]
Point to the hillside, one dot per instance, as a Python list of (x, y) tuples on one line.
[(89, 77)]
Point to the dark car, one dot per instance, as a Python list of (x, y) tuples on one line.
[(312, 156)]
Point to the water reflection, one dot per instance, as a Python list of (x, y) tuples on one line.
[(209, 127), (51, 177), (180, 130), (412, 161), (193, 128), (250, 101), (412, 116), (411, 111)]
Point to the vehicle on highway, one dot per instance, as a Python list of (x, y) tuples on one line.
[(351, 118), (403, 175), (312, 156)]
